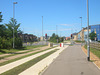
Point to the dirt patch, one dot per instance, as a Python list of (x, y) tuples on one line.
[(93, 57)]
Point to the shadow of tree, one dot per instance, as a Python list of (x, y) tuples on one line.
[(2, 51)]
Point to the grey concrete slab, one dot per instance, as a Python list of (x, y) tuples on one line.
[(72, 61)]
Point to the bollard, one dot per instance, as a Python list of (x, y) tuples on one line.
[(60, 44)]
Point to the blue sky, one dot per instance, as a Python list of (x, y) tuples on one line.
[(63, 13)]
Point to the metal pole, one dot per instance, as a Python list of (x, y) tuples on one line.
[(42, 30), (81, 27), (88, 46), (13, 21), (57, 32), (56, 29), (81, 23), (13, 24)]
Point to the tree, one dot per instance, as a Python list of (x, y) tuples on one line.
[(6, 35), (53, 35), (54, 38), (0, 17), (92, 35), (12, 26), (3, 31)]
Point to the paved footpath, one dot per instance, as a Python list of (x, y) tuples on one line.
[(72, 61), (41, 65)]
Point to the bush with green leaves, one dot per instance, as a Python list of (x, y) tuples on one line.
[(92, 35), (54, 38), (18, 43), (6, 35)]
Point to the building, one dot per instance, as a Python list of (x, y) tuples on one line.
[(85, 33), (27, 37), (96, 29), (74, 36), (41, 38), (67, 38), (44, 38), (82, 35)]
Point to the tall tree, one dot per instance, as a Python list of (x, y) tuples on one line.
[(13, 25), (3, 31), (53, 35), (0, 17), (2, 28)]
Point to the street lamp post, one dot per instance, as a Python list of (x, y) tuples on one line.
[(81, 27), (81, 22), (57, 32), (42, 26), (13, 21), (88, 46), (42, 30)]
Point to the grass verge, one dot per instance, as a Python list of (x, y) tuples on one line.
[(77, 41), (17, 54), (9, 61), (21, 68), (94, 51), (71, 45), (5, 51)]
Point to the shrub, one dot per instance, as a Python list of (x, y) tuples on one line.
[(18, 43)]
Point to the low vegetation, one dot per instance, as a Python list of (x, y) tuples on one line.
[(92, 36), (56, 39), (6, 51), (77, 41), (6, 36), (9, 61), (94, 51), (22, 67)]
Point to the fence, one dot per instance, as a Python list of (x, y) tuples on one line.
[(95, 45)]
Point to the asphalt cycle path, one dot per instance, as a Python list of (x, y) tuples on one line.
[(72, 61)]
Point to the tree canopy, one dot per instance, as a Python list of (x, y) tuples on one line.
[(92, 35), (0, 17), (55, 38), (6, 34), (12, 26)]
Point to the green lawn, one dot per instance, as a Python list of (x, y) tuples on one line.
[(22, 67), (77, 41), (4, 51), (17, 54), (94, 51), (9, 61)]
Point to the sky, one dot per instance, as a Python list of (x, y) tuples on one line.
[(63, 15)]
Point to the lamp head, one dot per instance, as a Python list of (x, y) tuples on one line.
[(14, 2)]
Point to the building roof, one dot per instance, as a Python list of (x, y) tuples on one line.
[(95, 25), (74, 34)]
